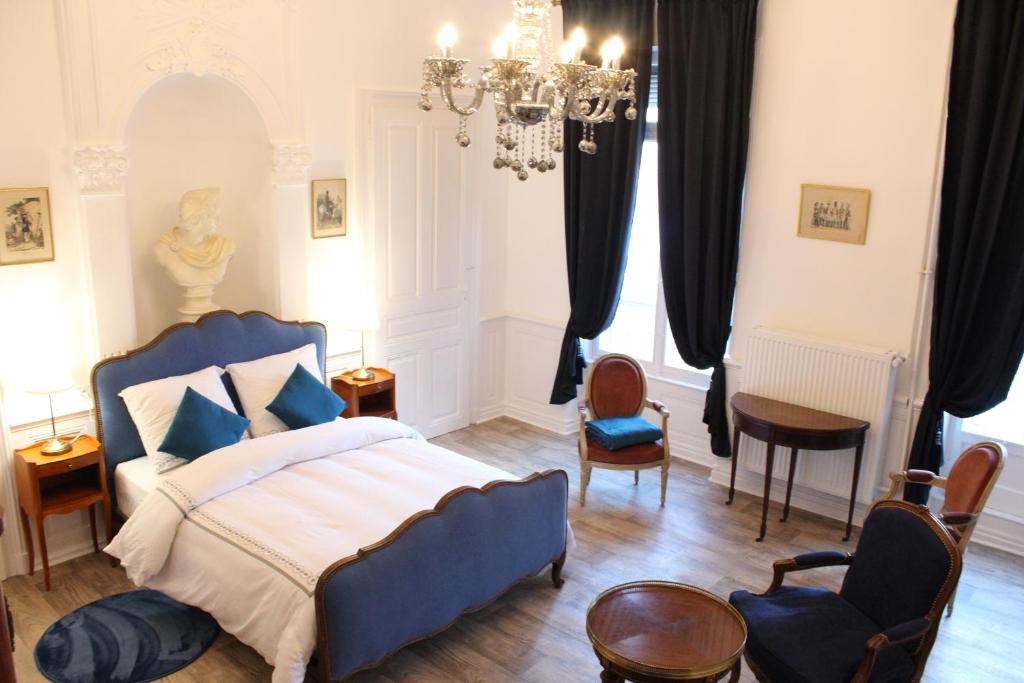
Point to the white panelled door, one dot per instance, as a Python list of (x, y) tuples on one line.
[(417, 209)]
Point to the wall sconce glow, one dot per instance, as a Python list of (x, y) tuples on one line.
[(611, 53), (447, 39)]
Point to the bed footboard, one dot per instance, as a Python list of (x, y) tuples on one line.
[(439, 564)]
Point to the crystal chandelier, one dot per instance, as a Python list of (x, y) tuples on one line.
[(534, 90)]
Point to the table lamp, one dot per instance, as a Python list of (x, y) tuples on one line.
[(50, 382), (363, 319)]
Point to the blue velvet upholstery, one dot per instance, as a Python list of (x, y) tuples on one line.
[(217, 339), (811, 635), (201, 426), (615, 433), (441, 567), (305, 401), (900, 567)]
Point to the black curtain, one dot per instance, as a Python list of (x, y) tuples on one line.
[(600, 190), (705, 76), (977, 335)]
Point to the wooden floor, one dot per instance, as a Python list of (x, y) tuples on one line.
[(536, 632)]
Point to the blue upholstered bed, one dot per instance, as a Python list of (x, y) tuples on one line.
[(439, 564)]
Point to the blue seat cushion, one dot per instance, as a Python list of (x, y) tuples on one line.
[(811, 635), (305, 401), (615, 433), (200, 426)]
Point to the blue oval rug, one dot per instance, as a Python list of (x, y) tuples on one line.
[(127, 638)]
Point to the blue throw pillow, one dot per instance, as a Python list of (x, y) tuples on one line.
[(615, 433), (201, 426), (305, 401)]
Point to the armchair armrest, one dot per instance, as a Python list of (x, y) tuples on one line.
[(827, 558), (657, 406), (958, 520), (913, 477), (900, 634)]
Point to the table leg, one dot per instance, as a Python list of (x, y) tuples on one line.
[(636, 477), (26, 529), (769, 466), (92, 528), (734, 674), (42, 551), (789, 485), (853, 489), (735, 457), (611, 677)]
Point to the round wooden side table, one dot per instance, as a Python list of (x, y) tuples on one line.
[(656, 631)]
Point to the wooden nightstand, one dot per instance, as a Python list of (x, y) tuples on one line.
[(58, 484), (374, 397)]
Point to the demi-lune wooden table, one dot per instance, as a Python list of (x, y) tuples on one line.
[(786, 424), (657, 631)]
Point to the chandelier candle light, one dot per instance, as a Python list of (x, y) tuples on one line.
[(534, 89)]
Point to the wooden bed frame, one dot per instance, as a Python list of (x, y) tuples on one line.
[(481, 540)]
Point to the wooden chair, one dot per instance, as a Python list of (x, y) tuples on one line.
[(967, 487), (882, 623), (616, 386)]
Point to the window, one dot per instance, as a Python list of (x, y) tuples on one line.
[(640, 328), (1002, 423)]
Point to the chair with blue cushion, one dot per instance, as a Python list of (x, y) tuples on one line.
[(612, 433), (880, 626)]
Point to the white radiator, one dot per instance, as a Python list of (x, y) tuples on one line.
[(829, 375)]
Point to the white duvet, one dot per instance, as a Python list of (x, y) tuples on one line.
[(245, 531)]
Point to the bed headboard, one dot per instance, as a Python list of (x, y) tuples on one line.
[(217, 338)]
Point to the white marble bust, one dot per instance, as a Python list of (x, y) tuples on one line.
[(193, 254)]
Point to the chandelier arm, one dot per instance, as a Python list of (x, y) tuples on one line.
[(449, 99), (601, 112)]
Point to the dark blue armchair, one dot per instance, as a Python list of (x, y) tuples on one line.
[(881, 625)]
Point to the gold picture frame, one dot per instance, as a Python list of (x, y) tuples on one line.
[(27, 226), (829, 212), (329, 206)]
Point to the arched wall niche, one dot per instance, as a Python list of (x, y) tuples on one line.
[(117, 55), (187, 132)]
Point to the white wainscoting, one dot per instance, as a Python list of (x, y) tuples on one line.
[(530, 346)]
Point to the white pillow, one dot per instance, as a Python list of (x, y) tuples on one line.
[(258, 382), (153, 405)]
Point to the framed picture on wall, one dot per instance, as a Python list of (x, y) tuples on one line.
[(28, 234), (833, 213), (330, 208)]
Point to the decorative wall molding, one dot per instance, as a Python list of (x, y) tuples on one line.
[(291, 164), (101, 169)]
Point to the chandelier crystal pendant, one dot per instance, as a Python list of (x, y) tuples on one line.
[(534, 89)]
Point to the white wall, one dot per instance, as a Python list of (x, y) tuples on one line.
[(34, 153), (844, 94), (189, 132)]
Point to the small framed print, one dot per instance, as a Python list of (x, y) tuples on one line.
[(330, 208), (833, 213), (28, 234)]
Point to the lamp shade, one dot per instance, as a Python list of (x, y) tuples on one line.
[(50, 379), (362, 317)]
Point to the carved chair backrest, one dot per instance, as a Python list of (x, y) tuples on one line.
[(616, 386), (972, 476), (905, 567)]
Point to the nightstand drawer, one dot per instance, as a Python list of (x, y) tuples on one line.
[(67, 465), (371, 389)]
